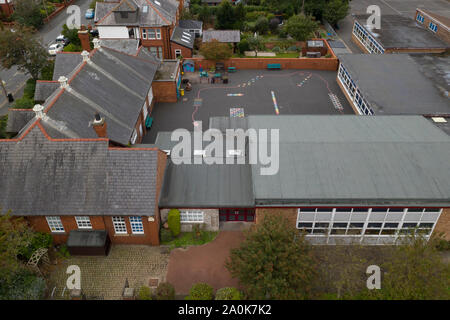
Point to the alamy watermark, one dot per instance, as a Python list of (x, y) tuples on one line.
[(231, 151), (374, 20), (74, 19)]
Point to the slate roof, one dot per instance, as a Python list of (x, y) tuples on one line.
[(442, 122), (113, 84), (191, 24), (18, 118), (65, 63), (128, 46), (355, 159), (44, 89), (182, 37), (402, 32), (75, 177), (156, 15), (396, 84), (102, 9), (230, 36), (125, 6)]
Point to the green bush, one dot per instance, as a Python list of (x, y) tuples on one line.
[(24, 103), (276, 49), (174, 222), (165, 291), (200, 291), (73, 48), (228, 293), (24, 285), (40, 240), (243, 46), (166, 235), (442, 245), (63, 252), (29, 89), (47, 71), (145, 293), (292, 48), (3, 123)]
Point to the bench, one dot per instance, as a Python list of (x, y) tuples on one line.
[(231, 69), (148, 122), (273, 66)]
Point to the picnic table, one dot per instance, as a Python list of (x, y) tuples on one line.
[(204, 74), (231, 69)]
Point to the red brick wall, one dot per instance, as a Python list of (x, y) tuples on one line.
[(185, 52), (441, 32), (164, 91), (164, 42), (7, 9), (443, 224)]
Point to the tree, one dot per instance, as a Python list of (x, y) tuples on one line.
[(255, 44), (28, 13), (261, 25), (225, 16), (301, 27), (274, 261), (239, 14), (71, 34), (336, 10), (215, 50), (273, 24), (205, 14), (22, 49)]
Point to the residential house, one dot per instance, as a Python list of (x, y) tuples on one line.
[(398, 34), (341, 179), (194, 27), (153, 22), (435, 23)]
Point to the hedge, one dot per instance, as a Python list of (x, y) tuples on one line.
[(174, 222)]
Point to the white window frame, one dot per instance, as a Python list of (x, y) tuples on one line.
[(158, 34), (144, 33), (432, 26), (136, 225), (134, 137), (145, 111), (192, 216), (55, 224), (177, 51), (120, 226), (141, 130), (83, 222)]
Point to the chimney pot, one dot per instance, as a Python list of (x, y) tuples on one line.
[(63, 81), (96, 42), (85, 55), (39, 110)]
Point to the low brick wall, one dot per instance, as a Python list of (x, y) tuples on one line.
[(60, 7)]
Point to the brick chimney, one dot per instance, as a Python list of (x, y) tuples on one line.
[(83, 34), (99, 125)]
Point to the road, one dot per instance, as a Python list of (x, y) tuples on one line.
[(15, 80)]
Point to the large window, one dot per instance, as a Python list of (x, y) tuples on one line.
[(151, 34), (376, 224), (366, 39), (120, 226), (55, 224), (191, 216), (83, 222), (136, 225)]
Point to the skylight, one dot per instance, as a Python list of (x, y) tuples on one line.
[(439, 119), (184, 40), (145, 9), (158, 3)]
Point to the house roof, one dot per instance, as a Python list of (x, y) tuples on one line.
[(397, 84), (159, 13), (18, 118), (442, 122), (128, 46), (44, 89), (182, 37), (402, 32), (41, 176), (191, 24), (111, 83), (65, 63), (445, 20), (103, 8), (355, 159), (125, 6), (222, 35)]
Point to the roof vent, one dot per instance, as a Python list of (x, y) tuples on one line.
[(96, 42), (39, 110), (63, 81), (439, 119), (85, 55)]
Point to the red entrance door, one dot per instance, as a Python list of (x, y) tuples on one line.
[(247, 215)]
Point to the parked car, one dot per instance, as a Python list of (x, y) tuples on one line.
[(55, 48), (90, 13), (63, 40), (94, 32)]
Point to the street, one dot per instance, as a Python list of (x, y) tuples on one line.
[(15, 80)]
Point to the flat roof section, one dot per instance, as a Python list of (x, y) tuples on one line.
[(399, 32), (395, 84)]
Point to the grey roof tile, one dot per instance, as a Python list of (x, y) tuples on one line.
[(229, 36), (18, 118), (65, 63), (182, 37), (44, 89)]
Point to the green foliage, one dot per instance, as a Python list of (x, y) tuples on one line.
[(144, 293), (274, 261), (28, 13), (27, 100), (442, 245), (47, 71), (72, 35), (23, 285), (30, 88), (200, 291), (173, 220), (23, 103), (63, 252), (225, 18), (40, 240), (22, 49), (276, 49), (165, 291), (292, 48), (273, 25), (166, 235), (336, 10), (261, 25), (215, 50), (228, 293), (301, 27), (205, 14), (243, 46), (256, 44), (73, 48), (190, 238), (3, 123)]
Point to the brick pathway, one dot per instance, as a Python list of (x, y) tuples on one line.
[(104, 277), (203, 263)]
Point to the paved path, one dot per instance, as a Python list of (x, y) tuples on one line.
[(203, 263), (105, 276)]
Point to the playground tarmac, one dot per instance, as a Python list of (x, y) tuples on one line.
[(252, 92)]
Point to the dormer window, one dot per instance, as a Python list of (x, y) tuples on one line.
[(145, 9)]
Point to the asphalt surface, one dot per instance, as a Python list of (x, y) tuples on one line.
[(15, 79), (295, 91)]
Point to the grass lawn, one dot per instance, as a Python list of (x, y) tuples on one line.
[(185, 239)]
